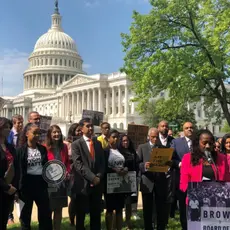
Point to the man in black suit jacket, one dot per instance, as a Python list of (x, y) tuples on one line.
[(153, 186), (182, 146), (166, 140), (89, 163)]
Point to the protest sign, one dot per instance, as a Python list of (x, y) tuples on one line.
[(138, 134), (45, 122), (209, 206), (158, 159), (122, 184), (95, 116)]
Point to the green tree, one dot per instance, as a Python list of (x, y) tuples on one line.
[(226, 128), (162, 109), (181, 47)]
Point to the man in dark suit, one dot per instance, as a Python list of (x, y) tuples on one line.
[(153, 186), (89, 163), (166, 140), (181, 146)]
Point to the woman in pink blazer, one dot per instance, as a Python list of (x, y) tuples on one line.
[(203, 163)]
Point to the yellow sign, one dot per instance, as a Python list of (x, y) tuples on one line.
[(158, 159)]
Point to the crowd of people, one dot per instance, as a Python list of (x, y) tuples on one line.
[(89, 159)]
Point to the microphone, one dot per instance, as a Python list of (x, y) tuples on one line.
[(208, 156), (210, 160)]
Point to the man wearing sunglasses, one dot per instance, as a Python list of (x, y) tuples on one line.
[(89, 163)]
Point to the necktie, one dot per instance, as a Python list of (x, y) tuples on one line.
[(91, 149)]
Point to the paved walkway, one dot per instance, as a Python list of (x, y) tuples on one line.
[(65, 211)]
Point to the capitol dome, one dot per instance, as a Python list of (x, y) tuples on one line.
[(54, 60), (55, 37)]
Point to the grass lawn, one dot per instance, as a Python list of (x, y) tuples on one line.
[(137, 224)]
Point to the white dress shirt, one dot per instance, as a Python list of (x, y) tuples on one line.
[(163, 140), (189, 142), (87, 141)]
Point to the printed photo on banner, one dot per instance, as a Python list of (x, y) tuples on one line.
[(95, 116), (122, 184), (159, 158), (209, 205), (138, 134)]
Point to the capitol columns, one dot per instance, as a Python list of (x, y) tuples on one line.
[(53, 80), (63, 106), (78, 103), (113, 100), (126, 100), (94, 100), (83, 100), (119, 100), (107, 102), (99, 100), (88, 99), (73, 107)]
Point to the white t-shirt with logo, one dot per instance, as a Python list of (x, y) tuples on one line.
[(116, 159), (34, 162)]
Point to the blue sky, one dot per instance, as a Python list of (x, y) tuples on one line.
[(95, 25)]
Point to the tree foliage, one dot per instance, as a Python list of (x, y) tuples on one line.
[(226, 128), (162, 109), (182, 47)]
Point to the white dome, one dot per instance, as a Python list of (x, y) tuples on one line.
[(55, 39)]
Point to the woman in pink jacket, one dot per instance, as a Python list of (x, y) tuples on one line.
[(203, 163)]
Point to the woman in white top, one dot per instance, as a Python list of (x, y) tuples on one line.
[(31, 157), (115, 162)]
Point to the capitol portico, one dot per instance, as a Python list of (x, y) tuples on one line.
[(56, 85)]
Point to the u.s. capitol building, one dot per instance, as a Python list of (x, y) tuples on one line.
[(56, 85)]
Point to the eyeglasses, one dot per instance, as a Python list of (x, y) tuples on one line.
[(89, 126), (36, 134)]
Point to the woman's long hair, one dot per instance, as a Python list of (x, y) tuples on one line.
[(131, 145), (22, 136), (71, 133), (196, 153), (4, 121), (49, 141), (223, 142)]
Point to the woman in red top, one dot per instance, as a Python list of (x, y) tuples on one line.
[(8, 180), (57, 150), (203, 163)]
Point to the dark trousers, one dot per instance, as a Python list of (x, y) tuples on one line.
[(174, 207), (182, 208), (89, 203), (11, 210), (38, 193), (161, 209), (5, 202), (72, 209)]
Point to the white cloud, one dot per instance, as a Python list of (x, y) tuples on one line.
[(91, 3), (86, 67), (12, 65)]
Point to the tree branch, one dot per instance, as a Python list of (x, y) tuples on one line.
[(179, 46)]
